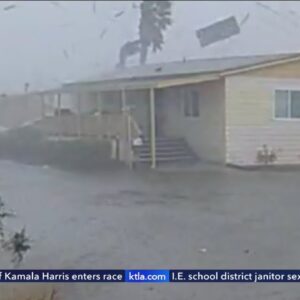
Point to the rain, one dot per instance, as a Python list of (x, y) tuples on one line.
[(149, 135)]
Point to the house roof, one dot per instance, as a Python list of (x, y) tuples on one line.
[(152, 74)]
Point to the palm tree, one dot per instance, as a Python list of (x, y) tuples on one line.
[(155, 18)]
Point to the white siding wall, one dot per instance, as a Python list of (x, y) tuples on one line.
[(250, 122)]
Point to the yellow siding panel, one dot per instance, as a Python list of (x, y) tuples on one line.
[(250, 123), (288, 70), (206, 133)]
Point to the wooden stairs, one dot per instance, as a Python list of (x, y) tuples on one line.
[(168, 150)]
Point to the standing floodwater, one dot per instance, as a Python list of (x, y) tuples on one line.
[(128, 220)]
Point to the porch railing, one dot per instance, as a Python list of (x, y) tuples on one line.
[(119, 126), (111, 124), (133, 131)]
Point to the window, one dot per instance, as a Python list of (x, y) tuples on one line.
[(191, 104), (295, 104), (287, 104)]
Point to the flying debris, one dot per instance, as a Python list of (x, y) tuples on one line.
[(66, 54), (218, 31), (103, 33), (292, 12), (9, 7), (26, 87), (55, 3), (295, 15), (94, 7), (119, 14), (267, 7), (277, 13), (245, 19)]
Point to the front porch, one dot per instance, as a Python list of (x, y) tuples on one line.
[(131, 119), (146, 121)]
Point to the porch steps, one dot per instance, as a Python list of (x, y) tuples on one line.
[(167, 150)]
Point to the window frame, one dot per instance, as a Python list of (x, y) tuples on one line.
[(289, 90)]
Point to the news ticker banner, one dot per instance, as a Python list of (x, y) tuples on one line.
[(150, 276)]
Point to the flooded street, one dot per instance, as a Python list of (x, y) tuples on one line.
[(117, 119), (120, 219)]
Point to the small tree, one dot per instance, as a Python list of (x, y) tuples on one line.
[(18, 244), (155, 19)]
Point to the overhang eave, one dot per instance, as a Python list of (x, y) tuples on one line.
[(138, 84)]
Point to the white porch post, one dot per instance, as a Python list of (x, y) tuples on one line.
[(123, 99), (126, 113), (99, 113), (152, 128), (43, 106), (79, 132), (99, 103), (59, 114)]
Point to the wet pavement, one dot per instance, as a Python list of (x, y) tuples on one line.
[(145, 219)]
